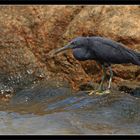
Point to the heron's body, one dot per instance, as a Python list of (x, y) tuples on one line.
[(103, 50)]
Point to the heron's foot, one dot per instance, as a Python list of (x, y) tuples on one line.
[(107, 91), (91, 92), (99, 92)]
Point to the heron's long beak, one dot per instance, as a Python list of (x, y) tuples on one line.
[(56, 51), (61, 49)]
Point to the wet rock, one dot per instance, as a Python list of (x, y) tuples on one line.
[(57, 111), (38, 95), (41, 92), (87, 86), (125, 89), (135, 92), (132, 90)]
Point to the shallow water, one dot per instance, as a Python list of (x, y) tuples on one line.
[(45, 109)]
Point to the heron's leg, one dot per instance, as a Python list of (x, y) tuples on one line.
[(111, 76), (103, 78), (110, 81), (100, 88)]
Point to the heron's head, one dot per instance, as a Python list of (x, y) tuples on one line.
[(77, 42)]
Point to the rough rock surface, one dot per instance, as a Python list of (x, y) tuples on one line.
[(28, 33)]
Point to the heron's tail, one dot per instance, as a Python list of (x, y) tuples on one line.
[(138, 55), (138, 58), (135, 57)]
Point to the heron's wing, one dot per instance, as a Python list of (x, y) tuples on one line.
[(111, 52)]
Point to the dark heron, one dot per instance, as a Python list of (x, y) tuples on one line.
[(102, 50)]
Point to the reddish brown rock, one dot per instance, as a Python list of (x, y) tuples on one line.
[(29, 33)]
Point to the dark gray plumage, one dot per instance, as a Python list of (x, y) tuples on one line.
[(104, 51)]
